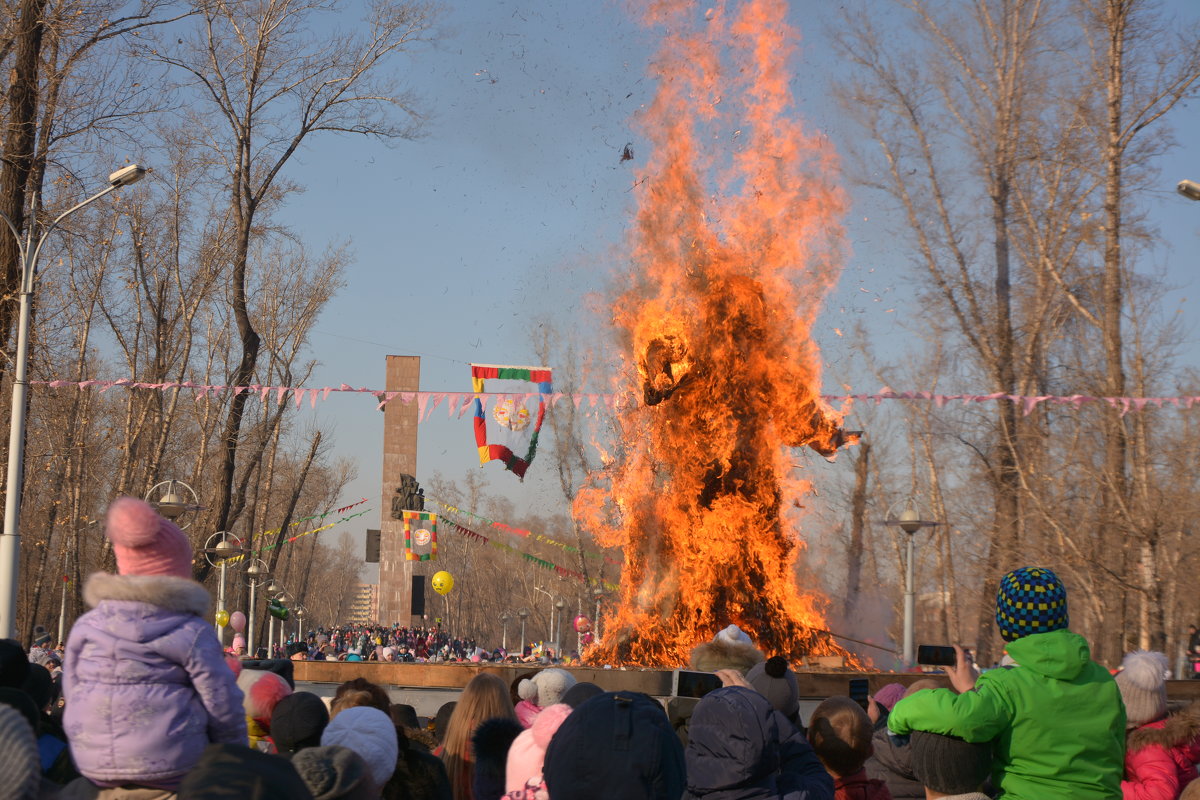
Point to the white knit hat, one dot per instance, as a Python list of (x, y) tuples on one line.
[(370, 733), (1143, 683)]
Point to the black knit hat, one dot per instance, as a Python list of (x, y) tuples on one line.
[(298, 722), (947, 764), (235, 772)]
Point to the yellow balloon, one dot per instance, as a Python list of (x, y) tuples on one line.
[(222, 618), (443, 582)]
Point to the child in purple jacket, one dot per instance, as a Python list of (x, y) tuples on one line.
[(146, 686)]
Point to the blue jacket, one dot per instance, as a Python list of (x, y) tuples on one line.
[(741, 748)]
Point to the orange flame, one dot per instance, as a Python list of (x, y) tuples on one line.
[(736, 241)]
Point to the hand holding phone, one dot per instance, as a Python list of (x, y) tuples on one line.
[(688, 683), (936, 655)]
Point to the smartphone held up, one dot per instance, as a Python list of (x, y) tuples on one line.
[(936, 655)]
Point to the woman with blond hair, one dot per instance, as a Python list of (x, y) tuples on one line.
[(485, 697)]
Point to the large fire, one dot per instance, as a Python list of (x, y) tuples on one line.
[(737, 239)]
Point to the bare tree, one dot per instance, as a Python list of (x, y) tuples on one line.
[(263, 83)]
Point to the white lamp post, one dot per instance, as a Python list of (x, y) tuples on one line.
[(10, 540), (597, 593), (523, 613), (504, 619), (910, 522), (256, 575), (222, 546)]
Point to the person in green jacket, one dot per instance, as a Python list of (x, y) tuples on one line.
[(1055, 720)]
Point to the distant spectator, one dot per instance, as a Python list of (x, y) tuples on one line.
[(615, 745), (227, 771), (334, 773), (484, 697), (774, 680), (840, 733), (1057, 720), (19, 767), (297, 722), (370, 733), (891, 760), (740, 747), (526, 756), (1162, 749), (146, 684), (950, 767), (491, 745), (543, 690), (360, 692)]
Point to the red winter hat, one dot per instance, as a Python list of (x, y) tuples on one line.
[(146, 543)]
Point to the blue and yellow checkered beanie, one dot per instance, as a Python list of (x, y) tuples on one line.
[(1030, 600)]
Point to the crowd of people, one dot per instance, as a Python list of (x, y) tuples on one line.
[(401, 644), (144, 704)]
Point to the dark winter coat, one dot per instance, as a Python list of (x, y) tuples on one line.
[(1161, 756), (741, 748)]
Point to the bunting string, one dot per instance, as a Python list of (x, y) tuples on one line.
[(525, 534), (522, 533), (456, 403), (290, 539)]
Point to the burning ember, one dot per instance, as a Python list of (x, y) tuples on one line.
[(736, 240)]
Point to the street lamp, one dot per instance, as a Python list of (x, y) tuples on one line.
[(300, 611), (559, 605), (1189, 189), (550, 597), (597, 593), (10, 541), (504, 619), (222, 546), (910, 522), (523, 613), (257, 574)]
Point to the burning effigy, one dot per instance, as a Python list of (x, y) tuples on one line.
[(736, 240)]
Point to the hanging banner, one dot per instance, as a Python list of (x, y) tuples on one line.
[(509, 431), (420, 536)]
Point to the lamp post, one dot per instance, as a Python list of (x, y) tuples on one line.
[(1189, 189), (504, 619), (550, 597), (275, 591), (523, 613), (257, 574), (559, 605), (222, 546), (597, 593), (910, 522), (10, 541), (300, 611), (175, 500)]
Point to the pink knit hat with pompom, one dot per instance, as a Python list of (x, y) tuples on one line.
[(146, 543), (527, 755)]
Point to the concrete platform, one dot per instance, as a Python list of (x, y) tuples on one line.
[(427, 686)]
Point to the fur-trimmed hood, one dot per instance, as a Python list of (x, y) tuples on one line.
[(181, 595), (724, 654), (1180, 728)]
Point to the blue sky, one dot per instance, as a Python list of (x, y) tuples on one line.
[(512, 208)]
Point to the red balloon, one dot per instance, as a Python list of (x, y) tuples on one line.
[(582, 624), (587, 638)]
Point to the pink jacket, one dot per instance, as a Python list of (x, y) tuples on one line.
[(1160, 757)]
